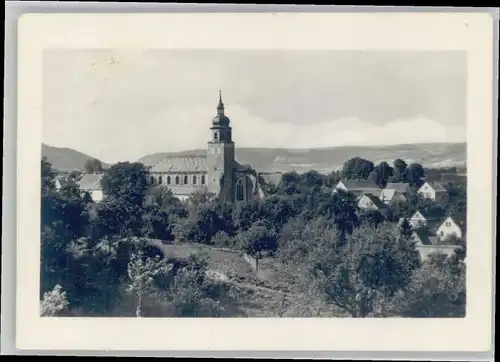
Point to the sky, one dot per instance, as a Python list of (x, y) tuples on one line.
[(120, 105)]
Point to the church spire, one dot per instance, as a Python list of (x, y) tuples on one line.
[(220, 106)]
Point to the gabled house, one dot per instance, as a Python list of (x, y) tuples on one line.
[(389, 196), (435, 191), (370, 202), (358, 187), (91, 184), (428, 242), (430, 218), (60, 181), (423, 236), (401, 187), (451, 225)]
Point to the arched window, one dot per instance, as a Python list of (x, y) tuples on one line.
[(159, 180), (203, 179), (239, 191), (216, 136), (152, 181), (176, 180), (185, 180), (168, 180), (194, 180)]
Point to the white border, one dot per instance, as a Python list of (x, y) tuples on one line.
[(472, 33)]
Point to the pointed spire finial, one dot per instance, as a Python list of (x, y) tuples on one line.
[(220, 107)]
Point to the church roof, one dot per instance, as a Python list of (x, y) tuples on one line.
[(220, 120), (187, 163)]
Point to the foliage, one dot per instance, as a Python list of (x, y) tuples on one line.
[(414, 174), (334, 255), (156, 223), (399, 171), (372, 265), (141, 273), (126, 181), (54, 302), (93, 165), (260, 237), (380, 175), (437, 290), (357, 168)]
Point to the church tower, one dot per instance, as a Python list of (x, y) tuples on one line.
[(220, 156)]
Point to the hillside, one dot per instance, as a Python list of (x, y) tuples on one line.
[(66, 159), (431, 155)]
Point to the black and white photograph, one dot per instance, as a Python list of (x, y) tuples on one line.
[(253, 183), (260, 181)]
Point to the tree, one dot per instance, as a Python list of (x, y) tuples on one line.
[(405, 228), (399, 171), (54, 302), (259, 238), (437, 290), (48, 175), (414, 174), (381, 174), (357, 168), (371, 217), (203, 223), (92, 165), (156, 223), (127, 181), (370, 267), (141, 273)]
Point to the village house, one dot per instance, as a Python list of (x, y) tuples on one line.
[(358, 187), (451, 225), (436, 228), (370, 202), (91, 184), (60, 181), (395, 192), (435, 191), (427, 218)]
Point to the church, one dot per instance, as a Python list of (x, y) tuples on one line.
[(217, 172)]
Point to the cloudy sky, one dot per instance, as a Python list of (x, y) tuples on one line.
[(122, 105)]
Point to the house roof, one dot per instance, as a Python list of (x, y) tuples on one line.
[(437, 186), (360, 185), (432, 214), (376, 201), (185, 163), (90, 181), (398, 186), (63, 181), (387, 195), (271, 178), (426, 236)]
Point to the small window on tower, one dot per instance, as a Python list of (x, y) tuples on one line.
[(216, 136)]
